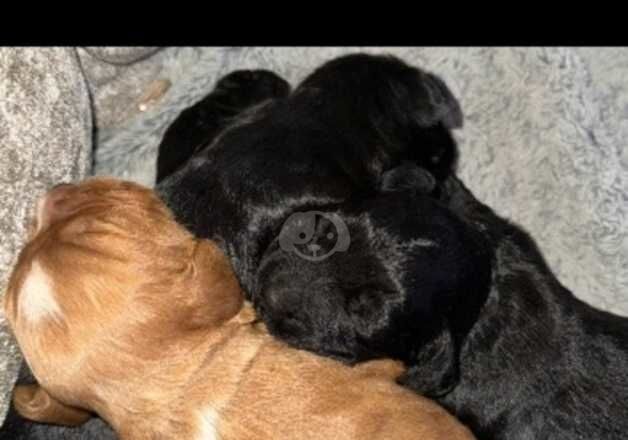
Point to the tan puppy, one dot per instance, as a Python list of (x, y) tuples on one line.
[(121, 312)]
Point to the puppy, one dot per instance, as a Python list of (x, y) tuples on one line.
[(356, 127), (409, 286), (465, 299), (350, 121), (192, 130), (121, 312), (511, 351)]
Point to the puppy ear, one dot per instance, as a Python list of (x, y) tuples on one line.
[(435, 370), (419, 112), (33, 403), (52, 206), (214, 294), (442, 107), (436, 112)]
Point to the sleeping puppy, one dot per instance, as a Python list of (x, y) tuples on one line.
[(465, 300), (121, 312), (348, 131), (350, 121), (193, 129), (513, 353), (409, 286)]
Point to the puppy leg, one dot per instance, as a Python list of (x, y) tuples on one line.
[(198, 125), (15, 427), (34, 403)]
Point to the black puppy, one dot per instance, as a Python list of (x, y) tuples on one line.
[(348, 122), (495, 335), (523, 358), (408, 286), (515, 355)]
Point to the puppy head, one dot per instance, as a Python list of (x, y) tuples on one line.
[(106, 267), (409, 286), (411, 110)]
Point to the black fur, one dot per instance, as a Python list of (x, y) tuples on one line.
[(538, 363), (534, 361), (410, 286), (335, 136), (199, 124), (483, 324)]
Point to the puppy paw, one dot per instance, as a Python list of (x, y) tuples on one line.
[(33, 403)]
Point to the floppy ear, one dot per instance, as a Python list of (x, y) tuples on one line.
[(213, 294), (436, 111), (33, 403), (436, 368), (419, 111), (442, 269), (433, 361), (441, 105)]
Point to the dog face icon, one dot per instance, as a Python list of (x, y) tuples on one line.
[(314, 235)]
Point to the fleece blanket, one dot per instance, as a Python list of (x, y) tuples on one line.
[(543, 140)]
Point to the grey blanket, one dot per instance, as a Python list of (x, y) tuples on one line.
[(543, 140)]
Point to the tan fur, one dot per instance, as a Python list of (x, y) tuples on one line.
[(34, 403), (154, 337)]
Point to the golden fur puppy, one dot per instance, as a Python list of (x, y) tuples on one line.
[(121, 312)]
